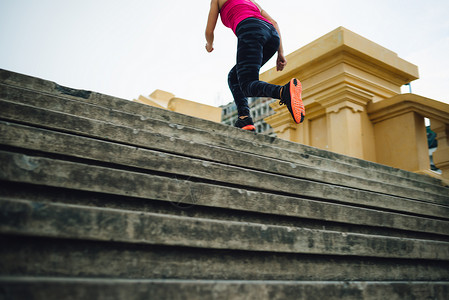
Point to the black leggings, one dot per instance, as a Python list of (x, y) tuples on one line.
[(258, 41)]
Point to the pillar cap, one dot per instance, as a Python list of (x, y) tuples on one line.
[(342, 40)]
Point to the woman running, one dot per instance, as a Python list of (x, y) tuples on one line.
[(258, 40)]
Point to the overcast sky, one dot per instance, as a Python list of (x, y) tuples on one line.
[(128, 48)]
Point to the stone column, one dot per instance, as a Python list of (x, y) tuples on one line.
[(283, 124), (401, 139), (345, 110)]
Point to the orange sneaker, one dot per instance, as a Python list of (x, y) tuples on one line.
[(245, 124), (291, 96)]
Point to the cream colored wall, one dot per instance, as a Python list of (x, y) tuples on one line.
[(195, 109), (166, 100), (318, 132)]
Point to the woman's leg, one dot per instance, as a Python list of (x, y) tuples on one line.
[(239, 98), (258, 42)]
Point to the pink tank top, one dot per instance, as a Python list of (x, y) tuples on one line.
[(235, 11)]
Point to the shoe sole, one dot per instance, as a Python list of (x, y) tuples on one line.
[(249, 127), (296, 100)]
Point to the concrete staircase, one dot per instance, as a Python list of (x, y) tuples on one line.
[(103, 198)]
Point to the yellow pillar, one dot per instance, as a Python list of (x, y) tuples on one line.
[(283, 124), (401, 141), (345, 108)]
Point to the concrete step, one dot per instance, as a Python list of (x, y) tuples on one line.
[(151, 137), (224, 139), (75, 258), (52, 239), (246, 193), (183, 197), (101, 289), (146, 112), (53, 220)]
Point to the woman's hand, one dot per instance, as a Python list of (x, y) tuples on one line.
[(281, 62), (209, 47)]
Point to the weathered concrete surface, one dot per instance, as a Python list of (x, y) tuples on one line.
[(77, 222), (226, 140), (43, 257), (26, 137), (209, 201), (92, 186), (143, 138), (98, 289), (38, 85), (43, 171)]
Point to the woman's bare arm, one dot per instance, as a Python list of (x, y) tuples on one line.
[(211, 23)]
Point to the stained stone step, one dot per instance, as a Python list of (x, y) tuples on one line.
[(146, 112), (205, 137), (227, 140), (142, 138), (104, 198), (59, 143), (18, 167), (101, 289), (185, 198), (53, 220), (34, 256), (38, 139)]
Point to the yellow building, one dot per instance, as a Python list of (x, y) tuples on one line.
[(354, 105)]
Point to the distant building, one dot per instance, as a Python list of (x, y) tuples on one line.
[(260, 109), (433, 144)]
